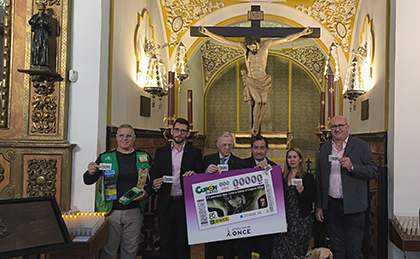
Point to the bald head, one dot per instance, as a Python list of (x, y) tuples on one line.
[(339, 128)]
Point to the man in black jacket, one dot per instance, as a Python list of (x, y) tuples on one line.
[(223, 157), (174, 161), (260, 244)]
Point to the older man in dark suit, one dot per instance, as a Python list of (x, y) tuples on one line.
[(225, 146), (344, 166), (211, 162), (177, 160)]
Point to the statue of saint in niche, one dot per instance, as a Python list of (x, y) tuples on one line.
[(42, 28), (257, 84)]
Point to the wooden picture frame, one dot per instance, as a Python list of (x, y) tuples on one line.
[(145, 105)]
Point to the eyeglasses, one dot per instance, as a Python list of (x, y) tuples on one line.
[(340, 126), (182, 131), (125, 136)]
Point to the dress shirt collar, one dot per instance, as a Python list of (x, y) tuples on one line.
[(265, 160), (174, 148), (226, 157)]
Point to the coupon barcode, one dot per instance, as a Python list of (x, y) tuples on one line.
[(202, 211), (269, 194)]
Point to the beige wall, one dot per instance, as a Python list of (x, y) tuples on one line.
[(376, 10)]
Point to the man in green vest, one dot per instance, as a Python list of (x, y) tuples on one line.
[(120, 170)]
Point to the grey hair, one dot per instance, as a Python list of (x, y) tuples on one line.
[(224, 134), (126, 126)]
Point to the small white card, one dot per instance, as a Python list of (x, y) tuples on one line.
[(268, 169), (296, 181), (105, 167), (168, 179), (223, 167), (333, 158)]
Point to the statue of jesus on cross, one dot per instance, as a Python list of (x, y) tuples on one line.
[(257, 84)]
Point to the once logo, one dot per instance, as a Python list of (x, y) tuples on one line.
[(241, 232)]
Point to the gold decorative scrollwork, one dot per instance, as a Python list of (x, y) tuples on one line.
[(215, 56), (181, 14), (10, 154), (52, 2), (334, 14), (43, 85), (311, 57), (5, 32), (44, 114), (8, 192), (1, 173), (41, 177)]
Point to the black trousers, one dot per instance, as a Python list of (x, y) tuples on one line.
[(173, 232), (262, 245), (222, 248)]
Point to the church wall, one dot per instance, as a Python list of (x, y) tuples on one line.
[(221, 105), (125, 92), (404, 109), (88, 96), (377, 95), (305, 110), (194, 83)]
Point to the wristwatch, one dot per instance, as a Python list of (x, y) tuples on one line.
[(352, 168)]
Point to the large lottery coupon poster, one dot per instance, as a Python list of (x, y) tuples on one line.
[(234, 204)]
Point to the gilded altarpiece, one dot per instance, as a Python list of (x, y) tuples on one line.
[(35, 155)]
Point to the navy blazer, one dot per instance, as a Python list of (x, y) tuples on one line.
[(355, 183), (234, 161), (191, 161)]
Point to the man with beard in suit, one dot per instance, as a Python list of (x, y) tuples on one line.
[(175, 161), (224, 157)]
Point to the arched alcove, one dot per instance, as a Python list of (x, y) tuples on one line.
[(293, 104)]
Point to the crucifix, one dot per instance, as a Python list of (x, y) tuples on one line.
[(257, 84)]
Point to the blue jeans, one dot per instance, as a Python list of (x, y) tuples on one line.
[(345, 230)]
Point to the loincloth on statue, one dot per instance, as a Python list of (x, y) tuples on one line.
[(261, 85)]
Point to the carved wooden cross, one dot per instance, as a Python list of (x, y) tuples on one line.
[(256, 31)]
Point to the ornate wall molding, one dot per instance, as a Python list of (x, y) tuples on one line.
[(215, 57), (311, 58), (183, 13), (47, 100), (6, 35), (337, 16), (42, 177)]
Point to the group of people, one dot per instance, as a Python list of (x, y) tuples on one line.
[(344, 166)]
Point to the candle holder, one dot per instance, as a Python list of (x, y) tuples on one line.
[(193, 134), (166, 131), (323, 134)]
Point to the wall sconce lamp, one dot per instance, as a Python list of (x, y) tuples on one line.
[(354, 84), (156, 79), (180, 68)]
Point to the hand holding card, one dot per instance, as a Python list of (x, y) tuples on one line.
[(296, 181), (168, 179)]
